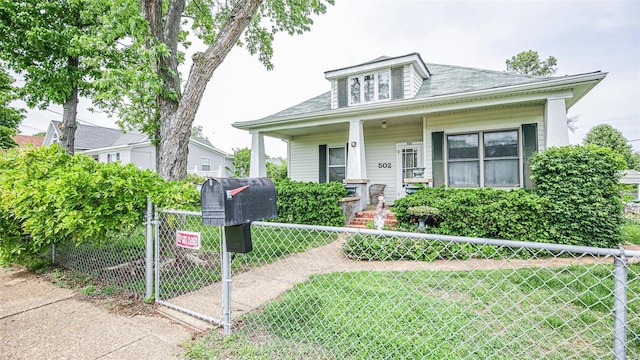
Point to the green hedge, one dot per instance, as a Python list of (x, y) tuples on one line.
[(310, 203), (49, 197), (576, 201), (581, 183), (487, 213)]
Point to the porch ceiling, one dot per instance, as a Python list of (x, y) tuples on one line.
[(303, 129), (342, 126)]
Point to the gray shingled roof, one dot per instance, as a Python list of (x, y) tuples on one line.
[(444, 80), (93, 137), (448, 79)]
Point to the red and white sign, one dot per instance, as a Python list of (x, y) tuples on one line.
[(188, 239)]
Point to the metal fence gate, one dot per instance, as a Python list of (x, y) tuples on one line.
[(188, 263)]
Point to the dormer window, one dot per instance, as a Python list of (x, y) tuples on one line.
[(382, 79), (368, 88)]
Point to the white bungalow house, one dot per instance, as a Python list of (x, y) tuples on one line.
[(396, 121), (110, 145)]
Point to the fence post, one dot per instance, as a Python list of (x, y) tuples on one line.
[(620, 306), (148, 289), (226, 285)]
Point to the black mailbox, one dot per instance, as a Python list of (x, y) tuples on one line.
[(235, 203)]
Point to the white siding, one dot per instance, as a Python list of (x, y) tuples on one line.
[(334, 94), (407, 80), (196, 153), (415, 82), (304, 155), (304, 160), (380, 147), (144, 158), (125, 156), (500, 119)]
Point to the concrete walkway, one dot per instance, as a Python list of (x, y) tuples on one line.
[(261, 285), (39, 320)]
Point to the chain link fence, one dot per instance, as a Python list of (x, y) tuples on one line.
[(120, 262), (314, 292), (321, 292)]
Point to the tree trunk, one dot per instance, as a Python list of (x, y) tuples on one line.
[(69, 115), (176, 122)]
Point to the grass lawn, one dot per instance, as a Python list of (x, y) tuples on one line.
[(631, 231), (560, 313)]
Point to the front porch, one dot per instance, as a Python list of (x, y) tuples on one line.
[(401, 151)]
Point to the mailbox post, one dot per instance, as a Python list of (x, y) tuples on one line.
[(234, 203)]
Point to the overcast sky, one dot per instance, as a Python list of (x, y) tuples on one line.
[(584, 36)]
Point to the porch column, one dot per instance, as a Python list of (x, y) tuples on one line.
[(258, 167), (555, 117), (357, 164), (356, 161)]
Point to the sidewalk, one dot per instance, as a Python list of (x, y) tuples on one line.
[(39, 320)]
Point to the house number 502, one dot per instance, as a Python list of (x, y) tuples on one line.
[(384, 165)]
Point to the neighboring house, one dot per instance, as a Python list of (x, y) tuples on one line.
[(110, 145), (397, 121), (28, 140)]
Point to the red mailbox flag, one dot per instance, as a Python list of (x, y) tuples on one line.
[(231, 193)]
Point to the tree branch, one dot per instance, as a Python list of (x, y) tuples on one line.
[(204, 64), (172, 24)]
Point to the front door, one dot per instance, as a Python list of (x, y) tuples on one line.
[(409, 160)]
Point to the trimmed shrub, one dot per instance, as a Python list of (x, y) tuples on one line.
[(581, 184), (487, 213), (48, 197), (310, 203)]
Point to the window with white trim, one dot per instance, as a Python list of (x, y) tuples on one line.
[(113, 157), (369, 87), (337, 163), (482, 159), (205, 164)]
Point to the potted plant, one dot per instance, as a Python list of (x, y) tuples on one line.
[(425, 215)]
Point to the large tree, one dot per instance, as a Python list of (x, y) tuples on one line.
[(606, 135), (61, 48), (10, 117), (220, 25), (529, 63)]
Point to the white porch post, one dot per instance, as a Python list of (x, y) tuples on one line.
[(356, 161), (258, 161), (555, 117)]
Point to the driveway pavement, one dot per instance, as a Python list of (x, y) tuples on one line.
[(39, 320)]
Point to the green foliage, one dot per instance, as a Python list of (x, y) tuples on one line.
[(310, 203), (486, 213), (49, 197), (241, 162), (607, 136), (630, 231), (10, 118), (528, 63), (41, 38), (422, 210), (196, 133), (277, 172), (374, 248), (581, 184)]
